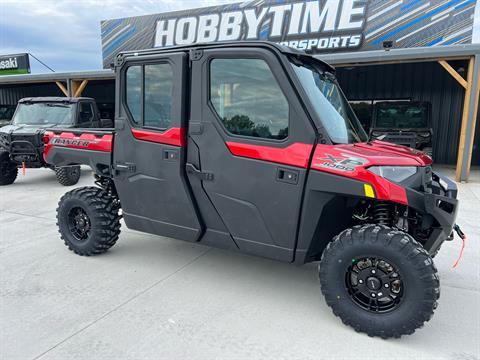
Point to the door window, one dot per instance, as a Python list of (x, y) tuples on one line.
[(149, 94), (158, 96), (134, 92), (248, 99), (86, 114)]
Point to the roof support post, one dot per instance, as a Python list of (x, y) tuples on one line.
[(454, 73), (77, 87), (62, 88), (73, 87), (80, 88), (469, 119)]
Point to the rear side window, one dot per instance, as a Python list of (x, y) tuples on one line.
[(149, 94), (248, 99), (86, 114)]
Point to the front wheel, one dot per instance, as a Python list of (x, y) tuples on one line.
[(379, 280), (8, 170), (68, 175), (88, 220)]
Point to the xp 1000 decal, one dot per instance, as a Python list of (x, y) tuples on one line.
[(315, 26), (341, 163)]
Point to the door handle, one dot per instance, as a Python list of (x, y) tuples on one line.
[(202, 175), (170, 155), (127, 167), (288, 176), (195, 128)]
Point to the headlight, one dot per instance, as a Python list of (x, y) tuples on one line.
[(394, 173), (424, 134)]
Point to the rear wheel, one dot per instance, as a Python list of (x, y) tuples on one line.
[(8, 170), (68, 175), (88, 220), (379, 281)]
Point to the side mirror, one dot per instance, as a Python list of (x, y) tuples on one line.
[(106, 123)]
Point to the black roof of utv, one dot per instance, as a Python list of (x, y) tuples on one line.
[(227, 44), (69, 100)]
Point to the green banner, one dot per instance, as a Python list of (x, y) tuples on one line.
[(14, 64)]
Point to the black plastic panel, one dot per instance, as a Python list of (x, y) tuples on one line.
[(155, 196)]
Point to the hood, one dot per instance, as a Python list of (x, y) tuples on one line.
[(350, 157), (386, 153), (25, 129)]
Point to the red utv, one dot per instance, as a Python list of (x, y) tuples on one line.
[(253, 147)]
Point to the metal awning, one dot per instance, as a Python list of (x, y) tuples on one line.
[(401, 55), (57, 76)]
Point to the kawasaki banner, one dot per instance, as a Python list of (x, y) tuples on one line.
[(14, 64), (315, 26)]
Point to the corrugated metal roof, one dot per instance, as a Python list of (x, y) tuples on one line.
[(401, 55)]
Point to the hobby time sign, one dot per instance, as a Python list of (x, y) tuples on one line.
[(315, 26), (305, 19), (14, 64)]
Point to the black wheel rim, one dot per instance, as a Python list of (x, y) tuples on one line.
[(79, 223), (374, 284)]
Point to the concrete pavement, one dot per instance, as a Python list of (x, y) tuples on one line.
[(156, 298)]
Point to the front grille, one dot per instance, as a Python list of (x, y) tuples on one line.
[(407, 139), (25, 144), (4, 143), (34, 139)]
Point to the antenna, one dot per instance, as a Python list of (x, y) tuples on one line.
[(41, 62)]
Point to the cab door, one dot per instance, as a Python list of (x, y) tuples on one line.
[(149, 148), (250, 143)]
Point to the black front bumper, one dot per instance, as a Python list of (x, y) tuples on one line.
[(441, 204), (24, 148)]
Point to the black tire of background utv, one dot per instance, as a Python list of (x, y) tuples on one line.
[(65, 176), (8, 170), (419, 275), (104, 218)]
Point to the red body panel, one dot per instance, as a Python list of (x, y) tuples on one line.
[(172, 136), (297, 154), (353, 160), (86, 141), (350, 161)]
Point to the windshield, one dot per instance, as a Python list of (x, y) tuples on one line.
[(330, 104), (405, 116), (43, 114)]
